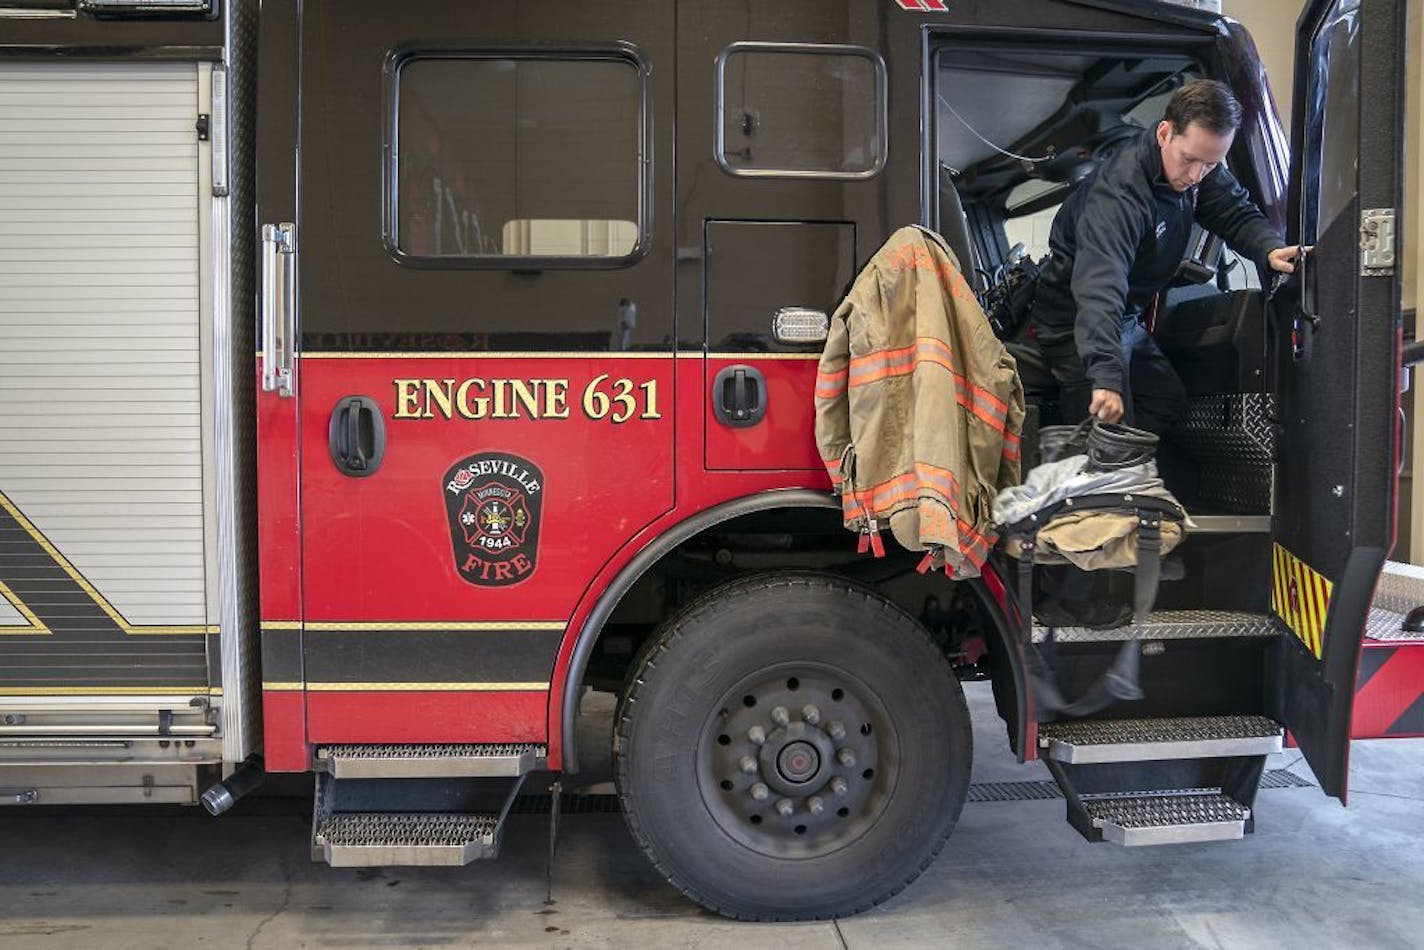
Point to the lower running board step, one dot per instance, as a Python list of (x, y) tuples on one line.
[(429, 761), (1087, 741), (1169, 625), (352, 840), (1168, 819)]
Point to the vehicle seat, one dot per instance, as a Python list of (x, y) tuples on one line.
[(954, 227)]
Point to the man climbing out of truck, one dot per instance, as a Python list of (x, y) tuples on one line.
[(1115, 244), (1118, 240)]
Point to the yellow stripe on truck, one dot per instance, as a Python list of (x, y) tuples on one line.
[(1300, 596)]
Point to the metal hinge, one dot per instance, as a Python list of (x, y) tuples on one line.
[(218, 129), (1377, 242)]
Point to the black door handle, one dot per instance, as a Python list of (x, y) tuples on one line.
[(357, 435), (739, 396)]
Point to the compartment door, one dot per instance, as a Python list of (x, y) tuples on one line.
[(1336, 362), (103, 574)]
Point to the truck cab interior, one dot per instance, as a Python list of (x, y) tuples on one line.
[(1018, 127)]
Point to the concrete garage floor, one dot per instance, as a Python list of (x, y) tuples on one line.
[(1013, 875)]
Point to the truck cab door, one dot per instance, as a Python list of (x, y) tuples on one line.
[(1335, 356), (481, 395)]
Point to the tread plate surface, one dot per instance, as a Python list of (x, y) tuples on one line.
[(1168, 819), (1170, 625), (429, 761), (387, 839), (1140, 740)]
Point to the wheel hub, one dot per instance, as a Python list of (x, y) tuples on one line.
[(796, 759), (792, 762)]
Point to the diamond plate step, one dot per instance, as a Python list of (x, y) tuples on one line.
[(1385, 624), (1168, 819), (1400, 588), (429, 761), (1143, 740), (1170, 625), (353, 840)]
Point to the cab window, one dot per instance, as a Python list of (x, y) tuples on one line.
[(801, 110), (506, 159)]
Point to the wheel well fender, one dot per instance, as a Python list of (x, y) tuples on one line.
[(644, 561)]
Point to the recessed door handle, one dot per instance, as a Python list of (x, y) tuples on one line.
[(739, 396), (357, 436)]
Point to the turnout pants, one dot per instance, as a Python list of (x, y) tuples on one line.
[(1155, 398)]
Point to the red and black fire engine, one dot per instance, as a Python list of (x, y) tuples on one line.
[(534, 292)]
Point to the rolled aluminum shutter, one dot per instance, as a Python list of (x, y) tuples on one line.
[(100, 374)]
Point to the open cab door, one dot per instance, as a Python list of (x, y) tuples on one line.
[(1335, 359)]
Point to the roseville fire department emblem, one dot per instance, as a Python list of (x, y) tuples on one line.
[(493, 501)]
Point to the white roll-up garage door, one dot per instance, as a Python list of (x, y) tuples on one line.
[(101, 430)]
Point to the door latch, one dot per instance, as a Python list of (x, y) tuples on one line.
[(739, 396), (357, 435), (1377, 242)]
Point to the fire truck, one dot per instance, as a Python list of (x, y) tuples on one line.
[(380, 380)]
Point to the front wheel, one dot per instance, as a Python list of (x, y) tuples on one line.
[(792, 747)]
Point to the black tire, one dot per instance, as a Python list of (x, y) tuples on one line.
[(753, 655)]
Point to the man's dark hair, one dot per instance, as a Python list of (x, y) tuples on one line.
[(1206, 102)]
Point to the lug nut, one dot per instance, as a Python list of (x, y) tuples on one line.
[(780, 716), (846, 757), (749, 765), (784, 808), (760, 792), (815, 805), (756, 735), (836, 729), (811, 714), (838, 785)]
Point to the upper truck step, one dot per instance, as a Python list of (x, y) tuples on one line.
[(1170, 625), (1088, 741), (429, 761)]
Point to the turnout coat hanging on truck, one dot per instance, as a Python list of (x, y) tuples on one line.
[(918, 406)]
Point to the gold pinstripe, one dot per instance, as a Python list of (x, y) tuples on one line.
[(35, 626), (103, 690), (471, 626), (563, 355), (751, 357), (99, 599), (469, 354), (427, 687), (401, 625)]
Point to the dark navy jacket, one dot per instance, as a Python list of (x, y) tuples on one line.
[(1119, 239)]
